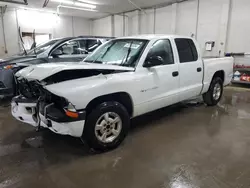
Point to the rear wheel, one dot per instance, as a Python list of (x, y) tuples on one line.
[(106, 126), (214, 94)]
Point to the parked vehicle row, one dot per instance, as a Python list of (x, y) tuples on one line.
[(122, 79), (70, 49)]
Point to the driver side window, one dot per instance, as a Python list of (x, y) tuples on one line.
[(92, 44), (162, 49), (69, 48)]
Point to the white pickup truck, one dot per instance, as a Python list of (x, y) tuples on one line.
[(122, 79)]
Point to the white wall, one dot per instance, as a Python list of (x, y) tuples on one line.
[(132, 26), (123, 25), (238, 39), (57, 26), (63, 27), (147, 22), (102, 27), (11, 34), (118, 29), (81, 26), (163, 20), (186, 18), (219, 21), (209, 24)]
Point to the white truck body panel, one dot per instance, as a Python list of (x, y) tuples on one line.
[(211, 65), (149, 88)]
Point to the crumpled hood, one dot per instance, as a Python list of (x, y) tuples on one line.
[(42, 71)]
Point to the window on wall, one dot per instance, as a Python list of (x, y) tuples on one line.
[(28, 39), (186, 50), (162, 49)]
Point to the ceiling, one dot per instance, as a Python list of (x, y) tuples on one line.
[(103, 7)]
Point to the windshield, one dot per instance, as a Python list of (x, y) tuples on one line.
[(42, 47), (122, 52)]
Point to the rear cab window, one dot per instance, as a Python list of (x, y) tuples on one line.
[(186, 50)]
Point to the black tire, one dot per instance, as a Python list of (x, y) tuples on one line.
[(208, 97), (89, 130)]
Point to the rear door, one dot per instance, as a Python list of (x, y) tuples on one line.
[(190, 68)]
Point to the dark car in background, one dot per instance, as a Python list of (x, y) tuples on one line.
[(70, 49)]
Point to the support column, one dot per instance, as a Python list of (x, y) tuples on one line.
[(154, 20), (223, 28), (73, 29), (138, 18), (112, 25), (197, 19), (139, 22), (174, 18)]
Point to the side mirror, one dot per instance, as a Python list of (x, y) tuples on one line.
[(153, 61), (56, 53)]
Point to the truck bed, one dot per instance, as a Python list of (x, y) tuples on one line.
[(212, 65)]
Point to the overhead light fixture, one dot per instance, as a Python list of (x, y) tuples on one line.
[(64, 1), (77, 8), (35, 9), (89, 2), (14, 2), (79, 4), (85, 5)]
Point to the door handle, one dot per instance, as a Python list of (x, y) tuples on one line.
[(176, 73), (199, 69)]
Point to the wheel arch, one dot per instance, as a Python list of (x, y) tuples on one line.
[(122, 97), (219, 74)]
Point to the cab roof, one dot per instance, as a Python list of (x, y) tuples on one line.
[(154, 36)]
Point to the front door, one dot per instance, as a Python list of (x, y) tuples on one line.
[(160, 83)]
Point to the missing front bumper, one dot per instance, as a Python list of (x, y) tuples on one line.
[(57, 114), (26, 111), (23, 110)]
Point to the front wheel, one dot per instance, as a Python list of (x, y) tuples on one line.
[(106, 126), (214, 94)]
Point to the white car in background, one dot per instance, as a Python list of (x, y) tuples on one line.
[(122, 79)]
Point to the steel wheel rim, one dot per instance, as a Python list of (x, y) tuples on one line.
[(217, 91), (108, 127)]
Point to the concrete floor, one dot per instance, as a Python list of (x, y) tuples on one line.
[(184, 146)]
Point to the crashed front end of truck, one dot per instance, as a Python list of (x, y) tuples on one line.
[(40, 108), (47, 94)]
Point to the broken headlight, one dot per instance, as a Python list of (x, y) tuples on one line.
[(71, 111)]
